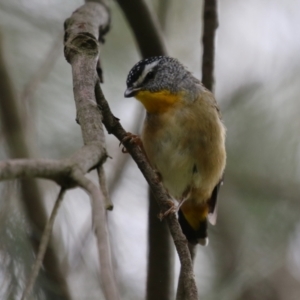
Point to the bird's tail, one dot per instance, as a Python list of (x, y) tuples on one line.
[(193, 223), (193, 217)]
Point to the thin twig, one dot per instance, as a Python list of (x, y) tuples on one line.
[(43, 245), (210, 24)]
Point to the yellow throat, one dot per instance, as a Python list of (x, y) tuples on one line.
[(157, 102)]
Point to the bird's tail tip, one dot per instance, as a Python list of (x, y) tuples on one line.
[(203, 241), (194, 236)]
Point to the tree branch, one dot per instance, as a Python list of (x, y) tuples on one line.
[(160, 279), (121, 159), (83, 29), (181, 293), (145, 27), (43, 246), (210, 24), (60, 171)]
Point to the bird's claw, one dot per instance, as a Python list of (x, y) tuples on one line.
[(158, 178), (133, 139), (171, 210)]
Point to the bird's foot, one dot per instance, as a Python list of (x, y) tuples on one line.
[(171, 210), (158, 178), (132, 139), (173, 207)]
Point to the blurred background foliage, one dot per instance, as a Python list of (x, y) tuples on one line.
[(254, 249)]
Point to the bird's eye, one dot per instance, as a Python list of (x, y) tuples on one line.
[(149, 76)]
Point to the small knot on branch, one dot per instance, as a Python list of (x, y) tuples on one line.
[(86, 42), (83, 43)]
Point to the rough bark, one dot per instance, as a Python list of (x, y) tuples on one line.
[(83, 30)]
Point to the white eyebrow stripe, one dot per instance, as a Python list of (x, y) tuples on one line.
[(147, 69)]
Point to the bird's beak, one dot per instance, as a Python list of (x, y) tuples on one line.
[(130, 92)]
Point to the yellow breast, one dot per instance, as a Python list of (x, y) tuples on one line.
[(157, 102)]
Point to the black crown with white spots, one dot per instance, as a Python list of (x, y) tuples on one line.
[(138, 68)]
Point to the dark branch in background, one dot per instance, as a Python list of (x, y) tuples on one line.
[(145, 27), (160, 277), (15, 134), (210, 24), (160, 268), (181, 293), (114, 127)]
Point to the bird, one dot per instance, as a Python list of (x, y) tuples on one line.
[(183, 137)]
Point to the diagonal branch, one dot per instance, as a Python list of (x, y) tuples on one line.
[(43, 246)]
